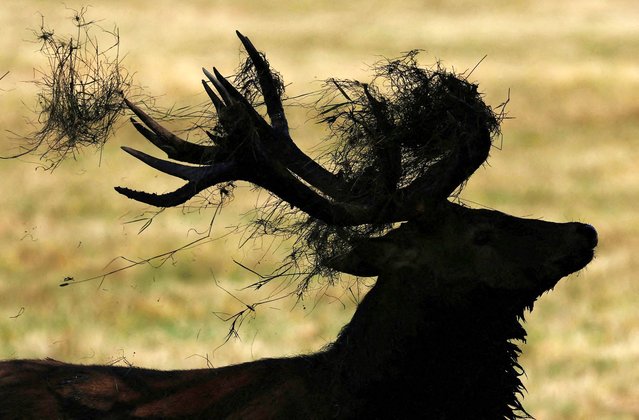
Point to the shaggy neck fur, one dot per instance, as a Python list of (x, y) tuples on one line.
[(406, 355)]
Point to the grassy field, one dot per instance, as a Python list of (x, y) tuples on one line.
[(570, 152)]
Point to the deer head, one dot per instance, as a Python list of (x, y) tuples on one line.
[(467, 249)]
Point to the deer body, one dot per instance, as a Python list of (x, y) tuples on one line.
[(434, 338)]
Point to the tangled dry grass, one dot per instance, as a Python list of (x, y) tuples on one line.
[(80, 93)]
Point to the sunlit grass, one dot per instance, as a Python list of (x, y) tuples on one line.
[(569, 153)]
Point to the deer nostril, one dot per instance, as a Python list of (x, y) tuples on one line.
[(589, 232)]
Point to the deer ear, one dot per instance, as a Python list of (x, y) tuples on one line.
[(362, 260), (369, 257)]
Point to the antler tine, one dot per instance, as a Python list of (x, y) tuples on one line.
[(187, 173), (217, 102), (172, 199), (272, 99), (228, 93), (226, 90), (169, 143), (198, 177), (224, 93)]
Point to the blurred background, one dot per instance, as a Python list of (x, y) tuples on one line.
[(569, 152)]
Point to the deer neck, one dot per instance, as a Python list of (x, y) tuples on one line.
[(429, 351)]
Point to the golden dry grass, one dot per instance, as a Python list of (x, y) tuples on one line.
[(570, 153)]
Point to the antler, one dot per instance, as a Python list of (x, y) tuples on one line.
[(264, 154)]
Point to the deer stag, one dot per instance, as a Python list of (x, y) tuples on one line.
[(433, 338)]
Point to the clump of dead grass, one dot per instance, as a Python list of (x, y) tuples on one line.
[(80, 92)]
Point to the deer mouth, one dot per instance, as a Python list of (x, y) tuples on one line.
[(576, 262)]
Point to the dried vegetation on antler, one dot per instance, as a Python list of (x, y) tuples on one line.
[(410, 136)]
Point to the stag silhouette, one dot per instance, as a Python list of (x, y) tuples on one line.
[(434, 338)]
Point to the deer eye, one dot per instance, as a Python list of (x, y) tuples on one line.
[(482, 237)]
